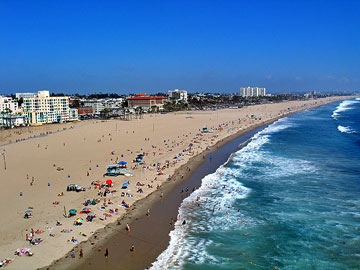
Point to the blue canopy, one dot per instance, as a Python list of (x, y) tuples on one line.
[(126, 183), (122, 163)]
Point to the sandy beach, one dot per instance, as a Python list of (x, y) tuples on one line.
[(38, 163)]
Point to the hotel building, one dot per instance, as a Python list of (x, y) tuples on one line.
[(44, 109)]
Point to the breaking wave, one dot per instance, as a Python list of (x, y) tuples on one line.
[(214, 211), (345, 129), (343, 106)]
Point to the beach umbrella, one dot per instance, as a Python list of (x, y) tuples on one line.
[(79, 220), (72, 211), (122, 162), (109, 182), (86, 210), (28, 212)]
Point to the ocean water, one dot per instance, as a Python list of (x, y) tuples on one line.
[(290, 199)]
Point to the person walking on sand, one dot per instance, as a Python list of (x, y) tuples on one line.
[(81, 253), (127, 227), (132, 249), (106, 253)]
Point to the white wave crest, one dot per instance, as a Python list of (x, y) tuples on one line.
[(345, 129), (281, 124), (227, 189), (183, 246), (343, 106)]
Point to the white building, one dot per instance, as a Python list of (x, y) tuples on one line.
[(252, 92), (8, 105), (97, 104), (177, 95), (8, 120), (100, 104), (44, 109), (25, 95)]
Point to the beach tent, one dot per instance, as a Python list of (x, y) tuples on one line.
[(72, 212), (109, 182)]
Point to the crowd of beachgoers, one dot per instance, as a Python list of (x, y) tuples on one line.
[(58, 190)]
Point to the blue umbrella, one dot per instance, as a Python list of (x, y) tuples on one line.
[(122, 163)]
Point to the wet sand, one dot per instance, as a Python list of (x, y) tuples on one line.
[(150, 234)]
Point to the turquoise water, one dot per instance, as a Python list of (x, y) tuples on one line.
[(290, 199)]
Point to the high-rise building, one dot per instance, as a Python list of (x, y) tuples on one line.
[(252, 92), (44, 109)]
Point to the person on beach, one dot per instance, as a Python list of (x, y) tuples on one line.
[(72, 254), (148, 213), (106, 253), (132, 249), (127, 227), (81, 253)]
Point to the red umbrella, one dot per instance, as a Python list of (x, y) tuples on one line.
[(109, 182)]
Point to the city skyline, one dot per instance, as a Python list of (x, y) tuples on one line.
[(128, 47)]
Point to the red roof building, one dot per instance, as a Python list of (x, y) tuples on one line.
[(85, 110), (145, 101)]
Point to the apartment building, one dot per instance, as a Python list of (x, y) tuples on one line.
[(252, 92)]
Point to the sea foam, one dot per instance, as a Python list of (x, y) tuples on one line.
[(343, 106), (224, 186), (345, 129)]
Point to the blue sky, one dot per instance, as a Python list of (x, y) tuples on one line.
[(151, 46)]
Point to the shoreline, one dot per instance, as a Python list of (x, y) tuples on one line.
[(104, 236), (94, 142), (138, 209)]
